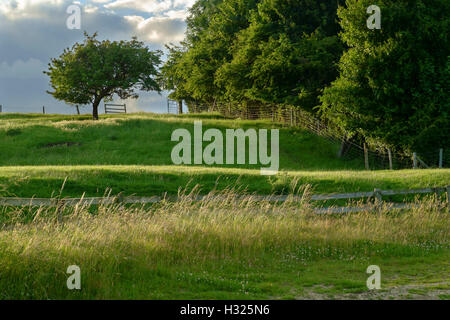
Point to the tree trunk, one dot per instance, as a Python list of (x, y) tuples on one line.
[(343, 148), (180, 106), (95, 109)]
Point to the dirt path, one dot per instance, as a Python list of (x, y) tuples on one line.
[(432, 291)]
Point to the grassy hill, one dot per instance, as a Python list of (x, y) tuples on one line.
[(131, 154), (234, 249), (140, 139)]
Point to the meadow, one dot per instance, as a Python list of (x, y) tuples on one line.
[(231, 249), (131, 154)]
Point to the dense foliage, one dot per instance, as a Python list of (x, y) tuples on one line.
[(265, 52), (286, 55), (394, 83), (389, 86)]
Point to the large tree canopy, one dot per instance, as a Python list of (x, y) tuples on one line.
[(392, 86), (394, 83), (270, 51), (94, 70), (287, 55), (212, 28)]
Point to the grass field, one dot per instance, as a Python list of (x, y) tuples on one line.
[(227, 250), (131, 154), (42, 181), (141, 139), (236, 249)]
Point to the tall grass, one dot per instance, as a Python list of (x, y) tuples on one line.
[(117, 245)]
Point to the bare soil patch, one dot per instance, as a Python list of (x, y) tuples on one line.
[(61, 144), (431, 291)]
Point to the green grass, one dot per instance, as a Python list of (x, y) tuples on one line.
[(42, 181), (141, 139), (235, 249), (227, 250), (131, 154)]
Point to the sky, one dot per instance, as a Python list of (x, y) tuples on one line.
[(34, 31)]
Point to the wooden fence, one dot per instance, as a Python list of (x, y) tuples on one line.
[(376, 194), (374, 158)]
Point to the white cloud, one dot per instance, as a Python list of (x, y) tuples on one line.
[(150, 6), (158, 29), (90, 8), (14, 9), (176, 14), (184, 3)]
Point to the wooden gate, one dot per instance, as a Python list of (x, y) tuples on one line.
[(115, 108)]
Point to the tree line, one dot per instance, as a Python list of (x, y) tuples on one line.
[(387, 86)]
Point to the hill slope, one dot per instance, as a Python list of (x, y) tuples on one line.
[(131, 154), (140, 139)]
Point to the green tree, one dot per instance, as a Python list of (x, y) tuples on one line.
[(199, 19), (394, 83), (94, 70), (269, 52), (172, 76), (212, 28), (287, 55)]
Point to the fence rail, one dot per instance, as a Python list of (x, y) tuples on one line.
[(377, 194), (115, 108)]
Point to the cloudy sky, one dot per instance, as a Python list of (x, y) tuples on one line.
[(34, 31)]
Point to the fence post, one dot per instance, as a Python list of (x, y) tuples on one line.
[(78, 110), (366, 157), (378, 195), (125, 107), (414, 160), (441, 156), (0, 108), (436, 192), (292, 117), (390, 159), (43, 109)]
